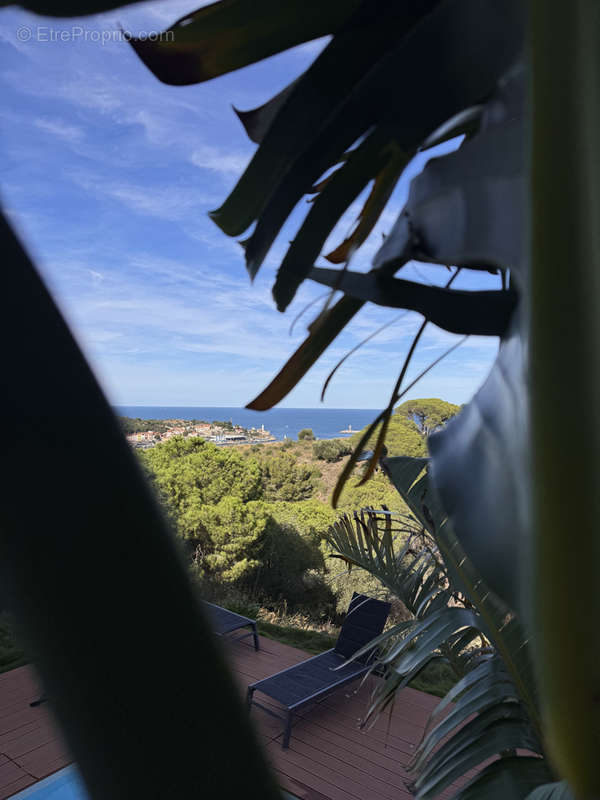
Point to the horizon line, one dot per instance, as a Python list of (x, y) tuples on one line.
[(243, 408)]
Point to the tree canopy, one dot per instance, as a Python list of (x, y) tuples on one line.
[(191, 472), (138, 425), (410, 425), (230, 535), (284, 478), (429, 415), (331, 449)]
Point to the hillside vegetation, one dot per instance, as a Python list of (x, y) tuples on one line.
[(252, 522), (411, 424), (253, 519)]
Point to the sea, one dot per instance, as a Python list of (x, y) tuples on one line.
[(326, 423)]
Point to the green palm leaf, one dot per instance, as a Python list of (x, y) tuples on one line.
[(504, 630), (497, 737), (486, 713), (468, 733), (512, 776)]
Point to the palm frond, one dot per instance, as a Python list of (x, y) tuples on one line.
[(486, 714)]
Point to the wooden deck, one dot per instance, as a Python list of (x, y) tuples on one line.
[(329, 758), (30, 745)]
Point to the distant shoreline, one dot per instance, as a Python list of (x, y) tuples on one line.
[(243, 408), (281, 422), (221, 434)]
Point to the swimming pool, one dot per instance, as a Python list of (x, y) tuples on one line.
[(63, 785)]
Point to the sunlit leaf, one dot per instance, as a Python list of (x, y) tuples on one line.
[(309, 351), (336, 194), (379, 195)]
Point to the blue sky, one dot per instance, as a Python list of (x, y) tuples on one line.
[(108, 176)]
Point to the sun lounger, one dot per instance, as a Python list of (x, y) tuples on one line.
[(225, 621), (313, 679)]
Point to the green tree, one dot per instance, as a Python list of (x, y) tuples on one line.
[(191, 473), (429, 415), (137, 425), (409, 426), (293, 569), (376, 493), (283, 478), (331, 449), (402, 438), (230, 535), (225, 424), (311, 518), (306, 434)]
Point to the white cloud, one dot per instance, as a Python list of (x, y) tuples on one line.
[(223, 161), (169, 202), (55, 127), (180, 322), (92, 90), (97, 277)]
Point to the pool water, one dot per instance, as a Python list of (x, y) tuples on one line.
[(63, 785)]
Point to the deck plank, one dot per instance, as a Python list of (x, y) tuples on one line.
[(329, 757)]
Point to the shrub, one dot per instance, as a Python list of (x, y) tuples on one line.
[(331, 449), (230, 536), (306, 433), (285, 479), (311, 518), (292, 571), (191, 473)]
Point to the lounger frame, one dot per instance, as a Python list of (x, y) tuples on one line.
[(224, 621), (329, 660), (292, 708)]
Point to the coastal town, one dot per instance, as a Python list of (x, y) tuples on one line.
[(219, 433)]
